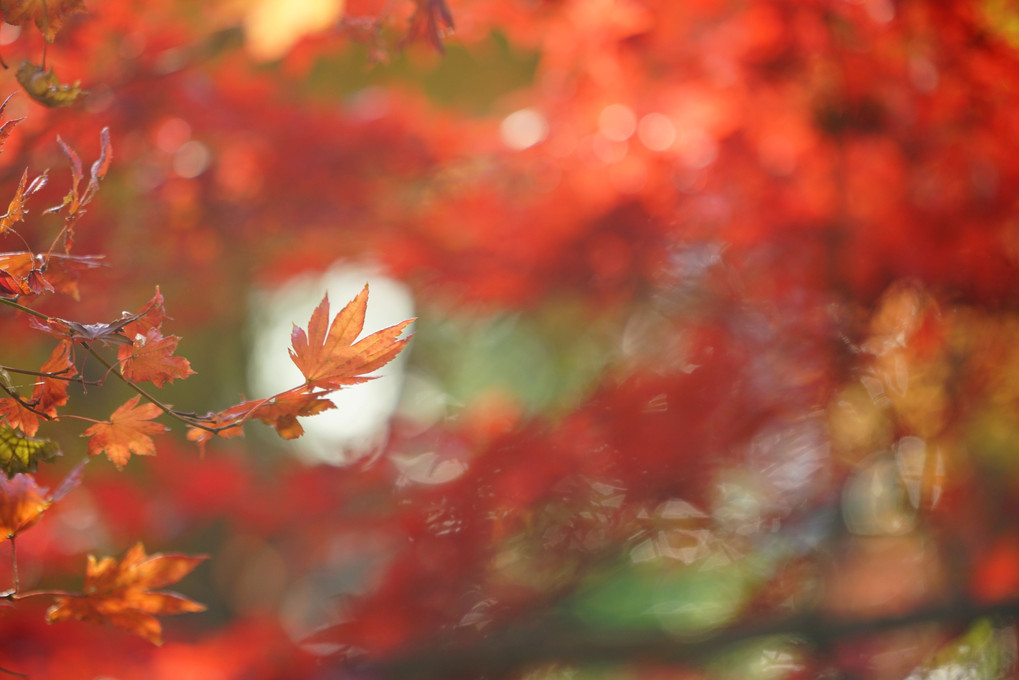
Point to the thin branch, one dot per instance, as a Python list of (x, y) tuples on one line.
[(140, 390), (8, 671), (14, 565), (23, 308), (54, 375), (42, 593), (24, 404)]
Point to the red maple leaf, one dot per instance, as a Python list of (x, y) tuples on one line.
[(125, 433), (150, 358), (122, 593), (330, 360)]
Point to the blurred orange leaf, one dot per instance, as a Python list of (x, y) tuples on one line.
[(332, 360), (122, 593), (48, 15), (125, 433), (22, 501)]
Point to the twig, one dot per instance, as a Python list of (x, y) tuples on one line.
[(565, 640), (140, 390), (53, 375), (24, 404)]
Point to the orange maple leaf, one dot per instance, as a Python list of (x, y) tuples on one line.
[(47, 394), (150, 358), (280, 412), (52, 392), (332, 360), (16, 209), (48, 15), (122, 593), (17, 416), (23, 501), (126, 432)]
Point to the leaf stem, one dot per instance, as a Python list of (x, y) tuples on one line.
[(140, 390), (14, 565), (43, 593)]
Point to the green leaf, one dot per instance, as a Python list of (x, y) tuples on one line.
[(19, 453), (44, 87)]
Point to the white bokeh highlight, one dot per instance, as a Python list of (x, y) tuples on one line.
[(358, 426)]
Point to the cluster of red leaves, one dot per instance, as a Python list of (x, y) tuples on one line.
[(828, 151)]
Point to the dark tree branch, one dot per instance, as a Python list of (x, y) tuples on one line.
[(564, 640)]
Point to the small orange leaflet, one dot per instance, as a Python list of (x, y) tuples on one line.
[(121, 593), (125, 433), (332, 360)]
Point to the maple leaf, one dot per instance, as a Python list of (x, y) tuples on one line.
[(125, 433), (150, 358), (44, 87), (76, 199), (19, 453), (123, 593), (62, 272), (227, 420), (431, 21), (281, 412), (51, 392), (152, 315), (332, 360), (48, 15), (16, 209), (8, 125), (18, 416), (23, 501), (47, 395)]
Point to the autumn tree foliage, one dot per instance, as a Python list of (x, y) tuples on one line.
[(713, 373)]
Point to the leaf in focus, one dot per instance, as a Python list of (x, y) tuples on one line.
[(19, 453), (109, 333), (8, 125), (75, 200), (48, 15), (22, 501), (150, 358), (282, 411), (127, 432), (52, 392), (44, 87), (18, 416), (62, 272), (123, 593), (152, 315), (16, 209), (279, 412), (332, 360)]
